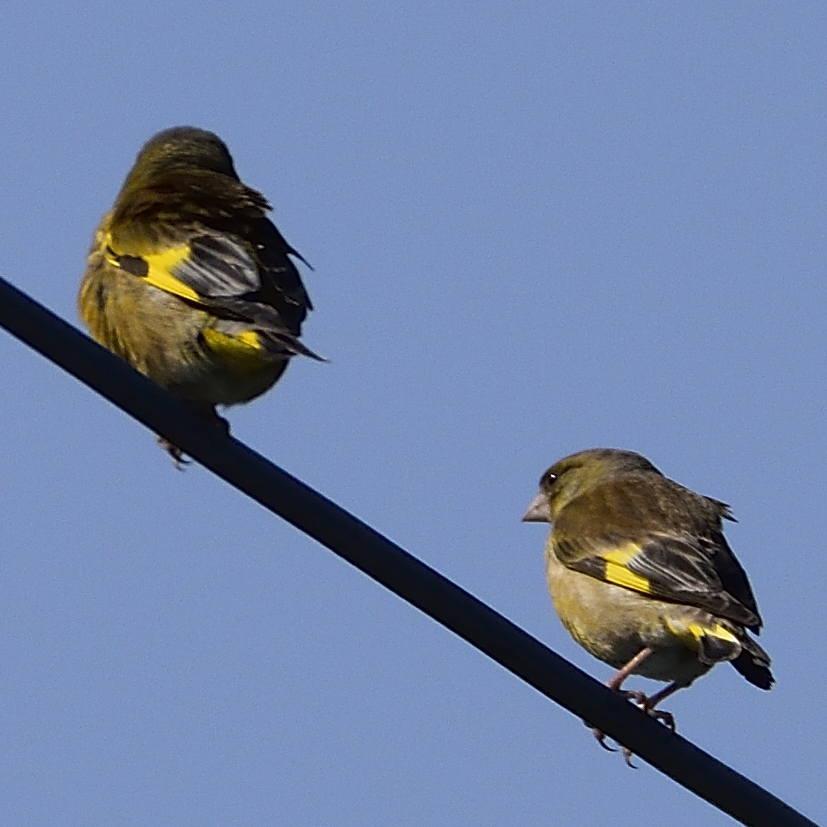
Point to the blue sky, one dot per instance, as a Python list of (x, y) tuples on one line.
[(535, 228)]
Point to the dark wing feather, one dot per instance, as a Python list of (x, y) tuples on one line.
[(218, 268)]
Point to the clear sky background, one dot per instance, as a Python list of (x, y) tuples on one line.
[(536, 228)]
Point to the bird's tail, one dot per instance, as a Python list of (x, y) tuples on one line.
[(283, 339), (754, 664)]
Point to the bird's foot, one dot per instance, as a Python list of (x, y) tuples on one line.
[(647, 705), (178, 458), (601, 737), (635, 696), (209, 412), (666, 718)]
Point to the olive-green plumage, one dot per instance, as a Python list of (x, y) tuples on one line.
[(641, 575), (189, 281)]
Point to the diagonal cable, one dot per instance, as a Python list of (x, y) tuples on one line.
[(393, 567)]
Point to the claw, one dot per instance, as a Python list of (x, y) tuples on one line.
[(601, 738), (666, 718), (178, 458), (627, 757)]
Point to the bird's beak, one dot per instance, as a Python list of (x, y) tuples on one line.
[(538, 511)]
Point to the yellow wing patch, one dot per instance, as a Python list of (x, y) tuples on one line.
[(697, 631), (160, 275), (713, 642), (237, 344), (243, 352), (617, 573), (159, 268)]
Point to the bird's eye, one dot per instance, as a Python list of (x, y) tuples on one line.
[(548, 479)]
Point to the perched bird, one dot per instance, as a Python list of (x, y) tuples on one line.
[(190, 282), (642, 577)]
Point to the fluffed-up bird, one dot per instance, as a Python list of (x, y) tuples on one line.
[(190, 282), (642, 577)]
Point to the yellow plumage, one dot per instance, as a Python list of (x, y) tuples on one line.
[(188, 280), (641, 576)]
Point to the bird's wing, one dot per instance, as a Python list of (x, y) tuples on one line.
[(676, 565), (214, 271), (205, 266)]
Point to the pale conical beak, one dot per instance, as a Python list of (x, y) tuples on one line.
[(538, 511)]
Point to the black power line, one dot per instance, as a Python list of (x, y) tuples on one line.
[(393, 567)]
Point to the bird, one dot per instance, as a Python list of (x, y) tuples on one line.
[(190, 282), (642, 577)]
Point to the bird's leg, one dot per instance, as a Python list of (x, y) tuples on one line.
[(648, 705), (614, 683), (205, 409), (617, 679)]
